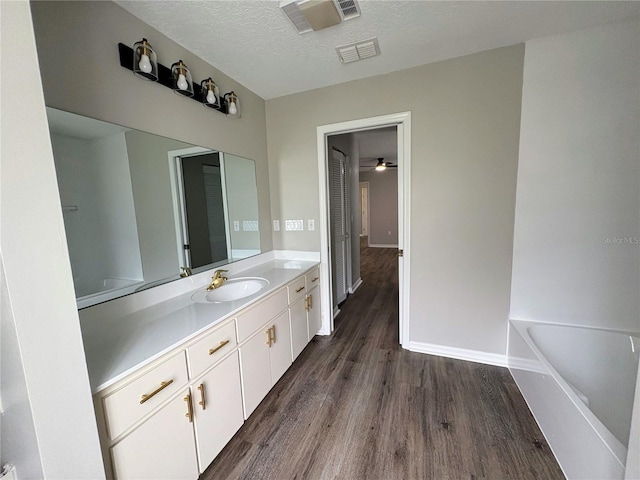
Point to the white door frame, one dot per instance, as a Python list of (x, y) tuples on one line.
[(403, 123)]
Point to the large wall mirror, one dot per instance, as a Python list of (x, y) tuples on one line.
[(139, 209)]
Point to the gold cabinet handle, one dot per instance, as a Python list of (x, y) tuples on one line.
[(215, 349), (147, 396), (189, 413), (202, 401), (306, 304), (268, 342), (273, 328), (310, 302), (298, 290), (315, 279)]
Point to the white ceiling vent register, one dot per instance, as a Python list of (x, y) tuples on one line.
[(314, 15), (358, 51)]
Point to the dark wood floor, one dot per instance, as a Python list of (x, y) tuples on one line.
[(357, 406)]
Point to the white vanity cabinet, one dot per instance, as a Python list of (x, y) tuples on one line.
[(170, 418), (264, 358), (216, 400), (314, 319), (163, 447), (304, 310)]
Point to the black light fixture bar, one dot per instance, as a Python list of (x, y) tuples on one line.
[(164, 76)]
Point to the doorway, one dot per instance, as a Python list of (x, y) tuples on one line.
[(402, 122)]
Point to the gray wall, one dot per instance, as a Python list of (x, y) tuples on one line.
[(465, 122), (108, 92), (383, 205)]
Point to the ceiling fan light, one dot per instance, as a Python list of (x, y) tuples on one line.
[(381, 165)]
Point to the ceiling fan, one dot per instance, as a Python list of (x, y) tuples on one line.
[(382, 165)]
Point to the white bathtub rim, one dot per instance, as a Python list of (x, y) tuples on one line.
[(614, 445)]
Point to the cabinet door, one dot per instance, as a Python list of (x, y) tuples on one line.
[(163, 447), (255, 368), (217, 402), (313, 315), (281, 346), (299, 334)]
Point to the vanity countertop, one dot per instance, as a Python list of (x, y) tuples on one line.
[(117, 346)]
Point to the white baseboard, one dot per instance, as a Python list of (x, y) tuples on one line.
[(355, 286), (459, 353), (336, 311), (382, 245)]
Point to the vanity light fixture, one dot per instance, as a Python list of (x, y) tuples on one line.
[(145, 62), (210, 93), (142, 61), (233, 104), (182, 82)]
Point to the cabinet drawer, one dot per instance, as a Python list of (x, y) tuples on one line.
[(313, 278), (253, 318), (206, 351), (297, 289), (127, 405)]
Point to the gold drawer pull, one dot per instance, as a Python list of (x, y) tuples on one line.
[(269, 341), (162, 386), (202, 401), (215, 349), (189, 413), (273, 328), (298, 290), (315, 279)]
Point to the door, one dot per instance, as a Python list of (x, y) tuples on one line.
[(255, 366), (314, 318), (299, 334), (364, 209), (217, 405), (338, 186), (280, 351), (204, 209), (163, 447)]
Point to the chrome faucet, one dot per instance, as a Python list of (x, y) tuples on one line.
[(217, 280)]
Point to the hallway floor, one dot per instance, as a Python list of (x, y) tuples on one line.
[(357, 406)]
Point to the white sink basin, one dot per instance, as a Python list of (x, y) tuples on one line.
[(233, 289)]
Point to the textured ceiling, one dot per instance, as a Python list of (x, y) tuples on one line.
[(255, 44)]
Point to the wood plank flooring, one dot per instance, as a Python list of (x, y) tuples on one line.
[(357, 406)]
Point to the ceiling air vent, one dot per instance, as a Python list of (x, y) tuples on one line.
[(314, 15), (358, 51)]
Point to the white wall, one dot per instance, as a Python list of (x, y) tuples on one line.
[(34, 250), (465, 121), (78, 179), (383, 205), (576, 255), (117, 213)]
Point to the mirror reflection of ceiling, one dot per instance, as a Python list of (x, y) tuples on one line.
[(124, 210), (253, 41)]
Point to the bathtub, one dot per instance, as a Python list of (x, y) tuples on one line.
[(104, 290), (579, 383)]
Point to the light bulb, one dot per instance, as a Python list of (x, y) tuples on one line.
[(211, 97), (182, 82), (233, 109), (145, 64), (381, 167)]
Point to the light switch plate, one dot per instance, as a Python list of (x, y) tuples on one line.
[(294, 225), (276, 225), (311, 225), (236, 226), (250, 225)]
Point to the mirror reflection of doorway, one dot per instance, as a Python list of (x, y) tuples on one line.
[(204, 210)]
